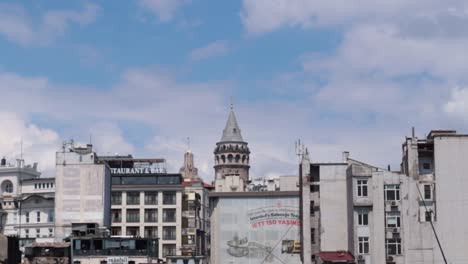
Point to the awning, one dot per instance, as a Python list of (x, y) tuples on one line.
[(336, 256)]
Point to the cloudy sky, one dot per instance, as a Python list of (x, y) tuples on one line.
[(141, 76)]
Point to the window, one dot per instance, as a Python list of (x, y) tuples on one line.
[(38, 216), (51, 232), (169, 250), (393, 219), (51, 185), (151, 215), (47, 185), (169, 198), (169, 215), (8, 187), (392, 192), (38, 232), (427, 192), (116, 215), (428, 216), (362, 188), (363, 245), (169, 233), (394, 246), (27, 217), (314, 188), (116, 198), (363, 218), (312, 208), (26, 233), (151, 197), (133, 215), (116, 231), (151, 231), (426, 165), (35, 186), (50, 216), (133, 231), (133, 198), (312, 235)]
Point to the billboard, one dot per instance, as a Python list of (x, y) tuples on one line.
[(259, 230)]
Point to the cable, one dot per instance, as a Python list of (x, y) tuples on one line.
[(277, 243), (430, 221)]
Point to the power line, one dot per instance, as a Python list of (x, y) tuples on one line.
[(277, 243), (432, 224)]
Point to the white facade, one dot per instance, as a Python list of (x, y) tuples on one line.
[(82, 189), (26, 203), (166, 224), (389, 215)]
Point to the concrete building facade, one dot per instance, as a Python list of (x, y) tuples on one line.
[(382, 216), (146, 201), (83, 189), (26, 203)]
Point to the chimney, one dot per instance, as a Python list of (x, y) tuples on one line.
[(345, 156)]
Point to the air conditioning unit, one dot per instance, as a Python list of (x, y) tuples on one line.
[(395, 230), (389, 258), (360, 257), (394, 203)]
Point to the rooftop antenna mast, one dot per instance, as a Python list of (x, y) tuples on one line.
[(21, 149), (300, 149)]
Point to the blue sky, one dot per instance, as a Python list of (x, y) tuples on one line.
[(141, 76)]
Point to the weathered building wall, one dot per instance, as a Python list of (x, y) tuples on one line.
[(247, 230), (82, 191), (334, 233), (451, 197)]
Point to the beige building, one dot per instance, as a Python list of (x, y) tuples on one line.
[(83, 187)]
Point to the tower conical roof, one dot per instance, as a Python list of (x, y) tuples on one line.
[(232, 131)]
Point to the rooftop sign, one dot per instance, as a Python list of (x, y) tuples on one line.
[(137, 170)]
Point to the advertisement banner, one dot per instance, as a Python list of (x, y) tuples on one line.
[(259, 230)]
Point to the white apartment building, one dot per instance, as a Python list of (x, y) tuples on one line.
[(382, 216), (26, 203)]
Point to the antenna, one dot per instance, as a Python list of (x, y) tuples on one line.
[(232, 103), (188, 143), (21, 148), (90, 138), (299, 147)]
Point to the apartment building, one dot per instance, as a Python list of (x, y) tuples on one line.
[(146, 201), (375, 215), (26, 203)]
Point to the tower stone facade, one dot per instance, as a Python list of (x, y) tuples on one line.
[(232, 153), (189, 171)]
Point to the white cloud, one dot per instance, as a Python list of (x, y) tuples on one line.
[(457, 105), (18, 26), (213, 49), (39, 144), (107, 138), (164, 9), (263, 16)]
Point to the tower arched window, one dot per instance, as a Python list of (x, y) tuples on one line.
[(223, 158), (243, 158), (230, 157), (217, 159), (237, 158), (7, 186)]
